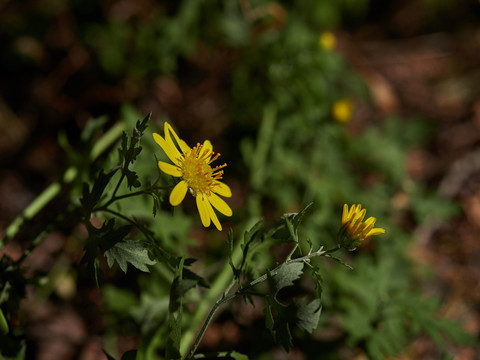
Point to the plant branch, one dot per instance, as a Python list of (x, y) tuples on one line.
[(243, 291), (54, 189)]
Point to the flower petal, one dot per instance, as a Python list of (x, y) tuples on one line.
[(222, 189), (376, 231), (169, 131), (345, 214), (171, 151), (178, 193), (170, 169), (351, 212), (219, 204), (202, 210), (207, 147), (212, 215)]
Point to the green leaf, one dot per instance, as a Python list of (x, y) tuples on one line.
[(129, 355), (90, 256), (277, 315), (286, 275), (288, 230), (129, 151), (90, 198), (298, 218), (237, 356), (308, 315), (3, 323), (338, 260), (130, 251), (157, 200), (230, 252), (109, 357), (250, 235), (107, 236), (317, 276), (175, 311), (222, 355), (277, 319)]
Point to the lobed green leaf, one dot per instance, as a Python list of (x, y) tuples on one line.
[(129, 251)]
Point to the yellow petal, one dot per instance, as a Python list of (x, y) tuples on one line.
[(171, 151), (360, 215), (170, 169), (183, 145), (202, 210), (220, 204), (169, 131), (351, 212), (376, 231), (212, 215), (222, 189), (207, 146), (178, 193), (358, 208), (345, 214)]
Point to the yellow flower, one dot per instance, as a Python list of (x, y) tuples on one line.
[(354, 230), (193, 166), (342, 110), (327, 40)]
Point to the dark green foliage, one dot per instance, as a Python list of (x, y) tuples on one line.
[(90, 198), (308, 314), (279, 316), (277, 82), (130, 149), (179, 287), (104, 239)]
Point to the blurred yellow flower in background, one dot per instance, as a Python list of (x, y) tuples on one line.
[(193, 166), (327, 40), (342, 110), (354, 230)]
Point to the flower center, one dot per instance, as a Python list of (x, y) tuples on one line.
[(197, 172)]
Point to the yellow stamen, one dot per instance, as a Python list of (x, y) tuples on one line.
[(197, 172)]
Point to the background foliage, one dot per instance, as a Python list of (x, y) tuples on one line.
[(253, 78)]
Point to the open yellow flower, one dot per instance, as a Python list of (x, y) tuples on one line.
[(327, 40), (354, 230), (342, 110), (193, 166)]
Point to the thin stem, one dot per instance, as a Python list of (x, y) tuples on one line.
[(54, 189), (117, 186), (243, 291), (223, 281), (289, 257), (207, 322), (132, 222), (135, 193), (332, 250)]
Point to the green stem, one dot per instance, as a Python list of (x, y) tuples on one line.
[(243, 291), (223, 281), (264, 140), (54, 189), (124, 196)]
